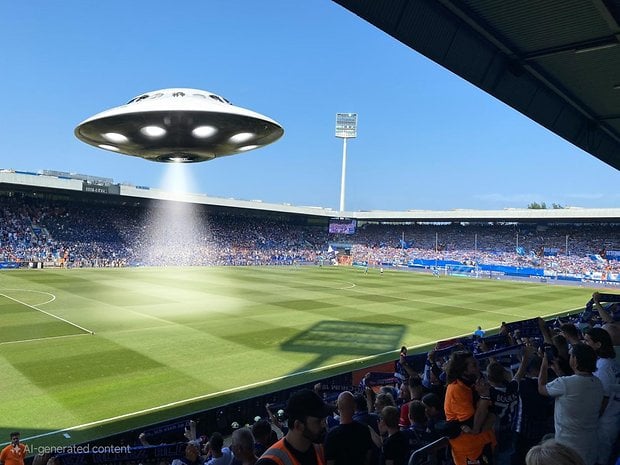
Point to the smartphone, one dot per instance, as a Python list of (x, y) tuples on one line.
[(549, 353)]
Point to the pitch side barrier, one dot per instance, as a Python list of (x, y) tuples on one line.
[(458, 267), (453, 267), (168, 438), (6, 265)]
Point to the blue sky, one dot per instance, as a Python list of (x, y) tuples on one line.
[(426, 138)]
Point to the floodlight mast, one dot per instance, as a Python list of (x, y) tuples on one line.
[(346, 128)]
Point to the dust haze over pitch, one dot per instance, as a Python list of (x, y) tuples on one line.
[(179, 125)]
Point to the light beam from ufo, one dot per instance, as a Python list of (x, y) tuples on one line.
[(179, 125)]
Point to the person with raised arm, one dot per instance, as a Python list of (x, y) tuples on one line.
[(578, 401)]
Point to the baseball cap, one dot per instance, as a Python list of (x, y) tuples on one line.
[(307, 403)]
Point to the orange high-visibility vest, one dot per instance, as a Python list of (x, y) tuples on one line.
[(280, 454)]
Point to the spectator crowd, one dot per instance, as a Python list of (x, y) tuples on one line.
[(73, 234), (537, 392)]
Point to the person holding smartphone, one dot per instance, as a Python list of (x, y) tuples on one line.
[(578, 401)]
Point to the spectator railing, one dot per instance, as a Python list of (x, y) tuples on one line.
[(431, 454)]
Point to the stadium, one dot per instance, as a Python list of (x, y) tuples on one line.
[(218, 322), (135, 316)]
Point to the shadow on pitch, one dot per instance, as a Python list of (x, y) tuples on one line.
[(329, 339)]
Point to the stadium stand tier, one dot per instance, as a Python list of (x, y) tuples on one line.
[(43, 223)]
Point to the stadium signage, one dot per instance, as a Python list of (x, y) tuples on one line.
[(612, 254), (342, 226), (101, 189)]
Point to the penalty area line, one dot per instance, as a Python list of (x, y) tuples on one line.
[(49, 314)]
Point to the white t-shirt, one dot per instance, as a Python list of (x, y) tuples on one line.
[(578, 401), (608, 371), (226, 458)]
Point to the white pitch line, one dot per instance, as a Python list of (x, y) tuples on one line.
[(47, 313), (352, 285), (42, 339), (47, 301), (37, 292)]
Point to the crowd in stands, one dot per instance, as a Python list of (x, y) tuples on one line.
[(496, 398), (512, 245), (75, 234), (537, 392)]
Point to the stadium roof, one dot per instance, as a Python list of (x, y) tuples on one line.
[(105, 190), (555, 61)]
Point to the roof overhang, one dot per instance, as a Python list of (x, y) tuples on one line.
[(555, 61), (86, 187)]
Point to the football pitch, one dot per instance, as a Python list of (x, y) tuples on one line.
[(96, 351)]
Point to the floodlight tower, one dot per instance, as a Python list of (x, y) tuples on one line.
[(346, 128)]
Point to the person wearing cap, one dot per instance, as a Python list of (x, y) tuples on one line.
[(14, 453), (302, 444)]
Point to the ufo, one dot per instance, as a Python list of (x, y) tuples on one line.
[(179, 125)]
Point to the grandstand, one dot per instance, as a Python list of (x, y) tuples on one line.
[(568, 244), (58, 221)]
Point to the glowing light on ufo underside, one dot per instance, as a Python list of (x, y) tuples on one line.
[(115, 137), (153, 131), (241, 137), (179, 125), (108, 147), (204, 131), (247, 147)]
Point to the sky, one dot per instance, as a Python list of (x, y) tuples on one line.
[(427, 139)]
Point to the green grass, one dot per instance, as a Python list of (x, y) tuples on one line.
[(172, 341)]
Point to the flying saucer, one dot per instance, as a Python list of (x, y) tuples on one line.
[(179, 125)]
